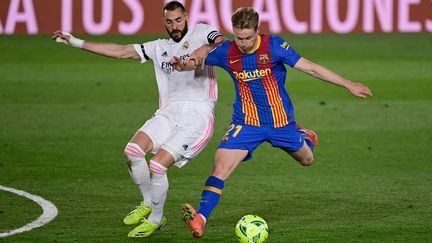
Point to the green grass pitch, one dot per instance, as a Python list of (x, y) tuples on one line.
[(65, 117)]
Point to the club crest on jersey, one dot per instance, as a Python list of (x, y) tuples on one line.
[(264, 58), (185, 45)]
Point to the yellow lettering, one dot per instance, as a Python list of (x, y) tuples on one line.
[(252, 75)]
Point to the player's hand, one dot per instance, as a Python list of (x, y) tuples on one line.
[(67, 38), (181, 65), (199, 55), (175, 62), (359, 90)]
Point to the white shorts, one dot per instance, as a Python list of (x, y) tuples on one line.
[(182, 128)]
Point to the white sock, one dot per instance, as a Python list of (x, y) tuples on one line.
[(159, 188), (139, 170)]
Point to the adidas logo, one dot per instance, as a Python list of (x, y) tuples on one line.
[(185, 146), (164, 54)]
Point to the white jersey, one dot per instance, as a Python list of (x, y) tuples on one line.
[(199, 85)]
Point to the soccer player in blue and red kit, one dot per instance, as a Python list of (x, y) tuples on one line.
[(263, 111)]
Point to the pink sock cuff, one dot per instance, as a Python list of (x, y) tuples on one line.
[(133, 149), (157, 168)]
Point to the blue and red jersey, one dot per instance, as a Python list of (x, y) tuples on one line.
[(259, 80)]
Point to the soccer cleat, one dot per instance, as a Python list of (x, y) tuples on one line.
[(136, 215), (146, 228), (192, 220), (310, 135)]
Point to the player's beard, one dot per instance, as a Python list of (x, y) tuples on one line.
[(178, 38)]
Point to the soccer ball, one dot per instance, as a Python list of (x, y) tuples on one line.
[(251, 229)]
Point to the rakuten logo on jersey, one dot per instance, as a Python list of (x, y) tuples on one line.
[(247, 76)]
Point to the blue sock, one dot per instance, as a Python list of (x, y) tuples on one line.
[(309, 143), (307, 140), (210, 195)]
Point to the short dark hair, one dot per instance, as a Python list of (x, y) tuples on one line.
[(173, 5)]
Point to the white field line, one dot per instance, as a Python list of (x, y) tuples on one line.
[(49, 212)]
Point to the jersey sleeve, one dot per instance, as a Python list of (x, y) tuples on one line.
[(209, 32), (284, 51), (218, 56), (146, 51)]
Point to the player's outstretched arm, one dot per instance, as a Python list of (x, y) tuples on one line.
[(199, 55), (318, 71), (104, 49)]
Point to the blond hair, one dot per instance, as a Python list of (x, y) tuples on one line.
[(245, 18)]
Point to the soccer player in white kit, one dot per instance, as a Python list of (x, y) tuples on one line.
[(183, 124)]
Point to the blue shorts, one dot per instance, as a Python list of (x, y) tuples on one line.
[(246, 137)]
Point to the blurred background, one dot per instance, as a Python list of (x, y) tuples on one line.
[(98, 17)]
